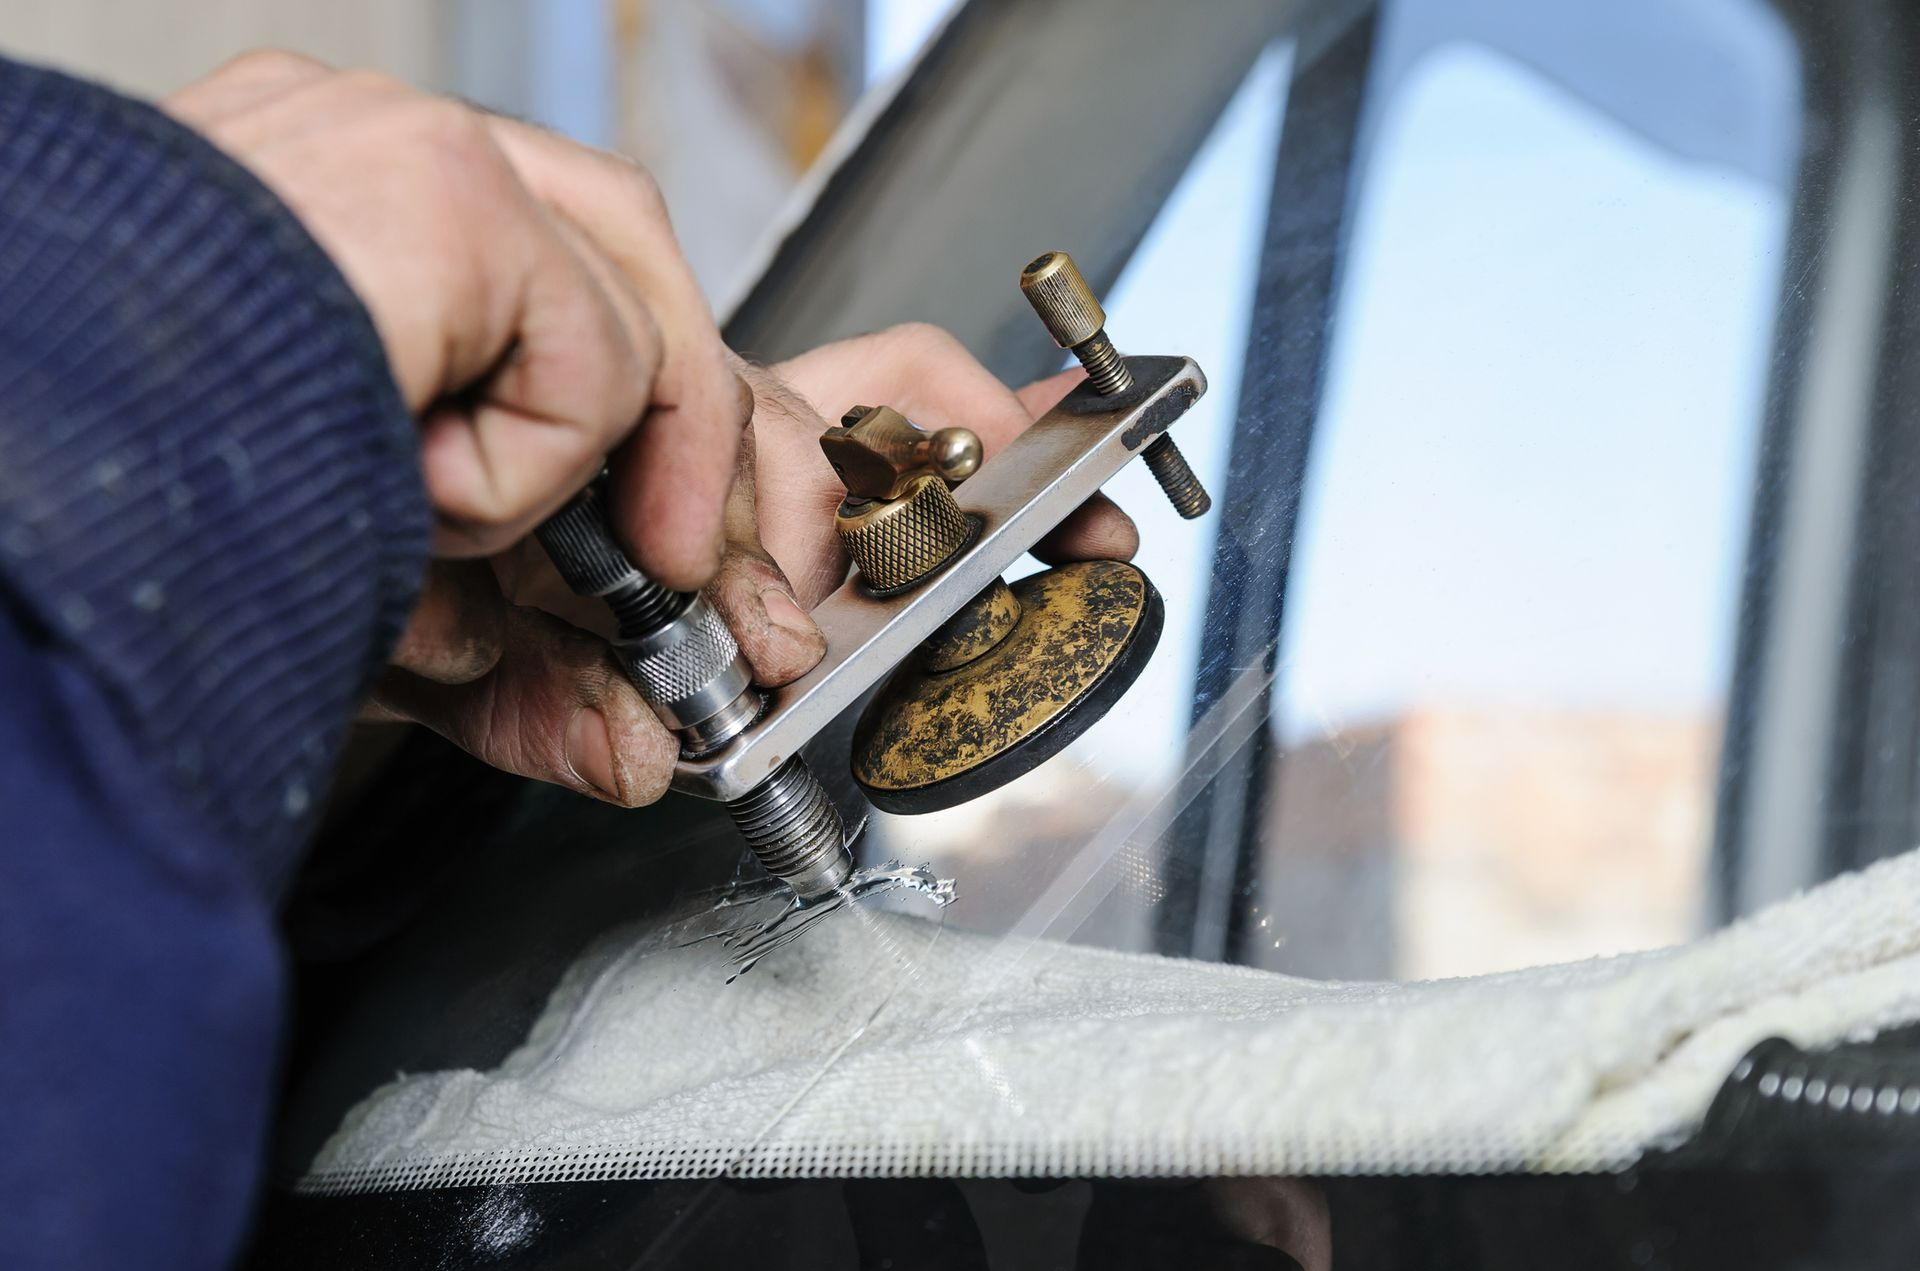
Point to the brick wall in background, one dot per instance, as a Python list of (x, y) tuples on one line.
[(1455, 841)]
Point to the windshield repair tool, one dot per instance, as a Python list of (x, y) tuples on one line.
[(983, 681), (684, 661)]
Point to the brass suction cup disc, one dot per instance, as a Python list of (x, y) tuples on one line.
[(932, 739)]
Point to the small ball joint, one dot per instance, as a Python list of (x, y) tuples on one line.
[(899, 520)]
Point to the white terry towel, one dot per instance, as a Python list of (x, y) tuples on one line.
[(883, 1045)]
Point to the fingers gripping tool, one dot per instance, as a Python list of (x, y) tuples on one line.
[(979, 681)]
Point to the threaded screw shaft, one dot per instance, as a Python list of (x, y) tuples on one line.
[(1059, 293), (1107, 375), (794, 830), (1182, 488), (646, 606), (788, 820), (1107, 372)]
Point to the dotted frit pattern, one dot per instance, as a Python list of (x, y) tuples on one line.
[(1041, 1156)]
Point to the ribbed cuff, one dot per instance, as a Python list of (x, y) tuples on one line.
[(209, 485)]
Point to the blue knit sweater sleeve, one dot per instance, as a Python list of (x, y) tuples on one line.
[(211, 529)]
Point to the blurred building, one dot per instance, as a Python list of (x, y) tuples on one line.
[(1455, 841), (728, 103)]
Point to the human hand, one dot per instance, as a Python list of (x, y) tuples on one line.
[(782, 554), (540, 321), (534, 306)]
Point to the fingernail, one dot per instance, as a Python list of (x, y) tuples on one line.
[(782, 612), (744, 392), (590, 751)]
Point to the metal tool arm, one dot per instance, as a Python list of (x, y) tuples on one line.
[(1016, 497)]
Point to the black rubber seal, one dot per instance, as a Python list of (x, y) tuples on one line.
[(1044, 742)]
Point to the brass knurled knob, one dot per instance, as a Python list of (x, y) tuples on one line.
[(898, 542), (1062, 298), (899, 521)]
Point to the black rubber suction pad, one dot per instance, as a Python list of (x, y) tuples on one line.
[(935, 738)]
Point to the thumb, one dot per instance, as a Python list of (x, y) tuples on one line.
[(555, 706)]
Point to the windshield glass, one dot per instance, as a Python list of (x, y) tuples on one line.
[(1494, 704), (1509, 642)]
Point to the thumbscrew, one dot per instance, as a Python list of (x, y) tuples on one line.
[(1053, 285)]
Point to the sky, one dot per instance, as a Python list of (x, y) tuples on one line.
[(896, 30), (1533, 473)]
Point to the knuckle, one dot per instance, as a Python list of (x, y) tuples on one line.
[(363, 83), (749, 568), (640, 188), (471, 523), (590, 663), (271, 63), (596, 428), (472, 654), (450, 165), (745, 398), (642, 349), (472, 642), (734, 596), (447, 126), (923, 341)]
